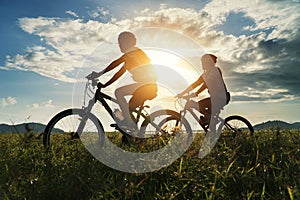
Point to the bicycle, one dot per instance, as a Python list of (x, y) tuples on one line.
[(233, 126), (77, 122)]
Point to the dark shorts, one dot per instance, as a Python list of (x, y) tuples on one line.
[(140, 95)]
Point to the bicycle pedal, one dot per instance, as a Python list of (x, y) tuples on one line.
[(118, 128), (114, 125)]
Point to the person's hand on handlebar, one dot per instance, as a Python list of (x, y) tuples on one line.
[(100, 85), (187, 96), (179, 95), (93, 75)]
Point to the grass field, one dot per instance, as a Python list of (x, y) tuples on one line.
[(265, 166)]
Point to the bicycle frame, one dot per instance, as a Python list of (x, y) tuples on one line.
[(102, 97), (189, 108)]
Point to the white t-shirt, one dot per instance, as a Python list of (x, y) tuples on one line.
[(215, 86)]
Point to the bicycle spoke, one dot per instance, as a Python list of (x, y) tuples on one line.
[(237, 127), (65, 126)]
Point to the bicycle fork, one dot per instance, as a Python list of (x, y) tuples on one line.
[(84, 117)]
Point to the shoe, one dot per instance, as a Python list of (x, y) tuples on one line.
[(204, 121), (125, 126)]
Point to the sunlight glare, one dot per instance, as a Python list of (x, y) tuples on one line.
[(161, 57)]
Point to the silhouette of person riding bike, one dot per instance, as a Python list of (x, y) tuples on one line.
[(137, 63), (212, 80)]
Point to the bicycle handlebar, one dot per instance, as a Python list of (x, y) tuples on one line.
[(94, 81), (187, 97)]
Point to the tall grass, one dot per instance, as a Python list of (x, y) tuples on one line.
[(265, 166)]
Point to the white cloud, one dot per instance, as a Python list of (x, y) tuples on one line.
[(71, 42), (45, 104), (8, 101), (281, 15), (99, 12), (70, 12), (269, 95)]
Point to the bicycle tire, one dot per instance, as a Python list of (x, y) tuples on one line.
[(236, 125), (162, 128), (67, 121)]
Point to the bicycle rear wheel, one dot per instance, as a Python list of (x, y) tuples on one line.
[(237, 127), (166, 127), (64, 126)]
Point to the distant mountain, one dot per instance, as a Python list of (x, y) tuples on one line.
[(276, 123), (39, 128), (23, 128)]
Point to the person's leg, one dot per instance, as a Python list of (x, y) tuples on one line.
[(140, 95), (217, 122), (205, 108), (120, 94), (210, 109)]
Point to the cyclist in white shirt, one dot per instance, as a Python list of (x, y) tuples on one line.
[(212, 80)]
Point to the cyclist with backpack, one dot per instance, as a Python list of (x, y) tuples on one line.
[(212, 80)]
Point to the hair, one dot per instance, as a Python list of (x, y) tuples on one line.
[(209, 56), (127, 37)]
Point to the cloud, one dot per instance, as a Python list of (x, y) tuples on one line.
[(45, 104), (265, 13), (266, 95), (72, 13), (68, 43), (99, 12), (8, 101), (266, 60), (269, 54)]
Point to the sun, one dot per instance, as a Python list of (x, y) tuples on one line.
[(175, 63), (163, 57)]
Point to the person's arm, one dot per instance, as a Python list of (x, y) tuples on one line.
[(110, 67), (192, 86), (115, 77), (203, 87)]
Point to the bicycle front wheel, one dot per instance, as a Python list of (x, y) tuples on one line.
[(65, 125), (237, 127)]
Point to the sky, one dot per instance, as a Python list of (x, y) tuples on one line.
[(47, 47)]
